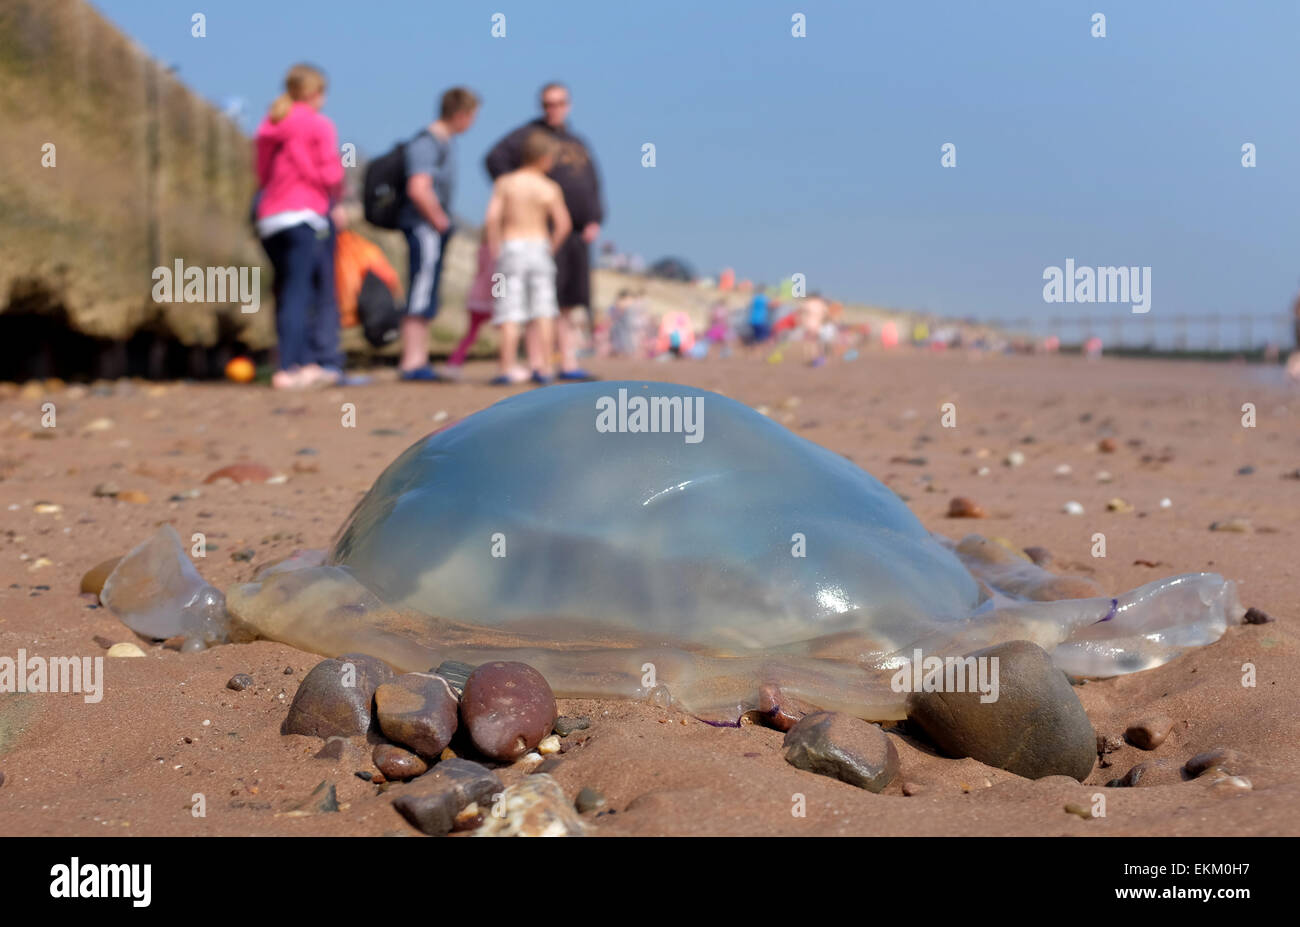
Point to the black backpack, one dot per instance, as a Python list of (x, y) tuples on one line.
[(377, 311), (383, 189)]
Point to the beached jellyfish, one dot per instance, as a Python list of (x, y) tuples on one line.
[(638, 537)]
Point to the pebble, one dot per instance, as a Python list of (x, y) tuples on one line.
[(1245, 471), (133, 496), (1079, 810), (548, 745), (323, 800), (565, 725), (1166, 503), (432, 801), (1225, 758), (1015, 459), (1072, 508), (1036, 728), (1107, 744), (1237, 525), (125, 649), (535, 807), (589, 800), (106, 490), (455, 673), (1041, 556), (962, 507), (508, 708), (47, 508), (1256, 616), (1149, 733), (1063, 470), (1119, 505), (417, 710), (1107, 445), (1131, 778), (325, 706), (397, 764), (2, 778), (842, 747), (92, 582), (239, 682), (240, 473), (333, 749)]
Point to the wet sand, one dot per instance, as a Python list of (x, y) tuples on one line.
[(167, 728)]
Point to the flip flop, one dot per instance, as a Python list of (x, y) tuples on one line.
[(541, 380), (501, 380), (419, 375), (575, 375)]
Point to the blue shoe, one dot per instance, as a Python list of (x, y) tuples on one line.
[(575, 375), (501, 380), (423, 374), (541, 380)]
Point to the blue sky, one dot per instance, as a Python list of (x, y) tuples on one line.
[(821, 155)]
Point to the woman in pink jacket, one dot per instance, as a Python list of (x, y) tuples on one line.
[(300, 178)]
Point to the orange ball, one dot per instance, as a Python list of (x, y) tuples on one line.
[(241, 370)]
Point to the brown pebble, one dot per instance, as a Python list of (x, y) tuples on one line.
[(240, 473), (911, 789), (1256, 616), (1149, 733), (333, 749), (1228, 759), (1107, 445), (418, 711), (133, 496), (508, 708), (962, 507), (239, 682), (397, 764), (333, 700), (92, 582)]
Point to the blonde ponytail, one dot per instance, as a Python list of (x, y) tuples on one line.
[(302, 83)]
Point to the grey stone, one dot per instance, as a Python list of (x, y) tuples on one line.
[(432, 801), (1037, 726), (842, 747)]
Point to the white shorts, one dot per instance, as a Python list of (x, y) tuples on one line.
[(529, 285)]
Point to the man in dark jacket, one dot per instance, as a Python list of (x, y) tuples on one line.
[(575, 172)]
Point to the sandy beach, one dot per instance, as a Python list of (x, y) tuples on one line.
[(168, 728)]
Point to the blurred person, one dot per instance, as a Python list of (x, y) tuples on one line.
[(426, 223), (575, 172), (526, 225), (300, 179)]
